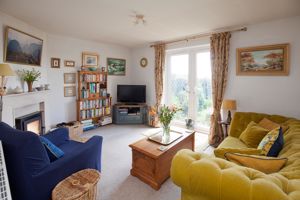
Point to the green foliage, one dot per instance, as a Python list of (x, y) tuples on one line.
[(29, 75), (166, 114)]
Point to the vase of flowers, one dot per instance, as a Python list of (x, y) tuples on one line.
[(29, 76), (166, 114)]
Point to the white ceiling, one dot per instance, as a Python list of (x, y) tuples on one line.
[(110, 21)]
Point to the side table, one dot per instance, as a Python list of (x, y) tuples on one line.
[(224, 126), (81, 185)]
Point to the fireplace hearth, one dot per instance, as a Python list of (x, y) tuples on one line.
[(32, 122)]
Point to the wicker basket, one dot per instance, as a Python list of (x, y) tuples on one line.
[(81, 185)]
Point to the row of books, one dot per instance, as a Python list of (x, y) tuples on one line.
[(85, 114), (87, 124), (94, 77), (92, 104), (93, 89)]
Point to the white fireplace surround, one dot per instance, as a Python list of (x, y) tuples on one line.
[(17, 105)]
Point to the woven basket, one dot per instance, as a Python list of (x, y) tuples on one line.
[(81, 185)]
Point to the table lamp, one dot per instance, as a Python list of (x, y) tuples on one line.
[(229, 104), (5, 70)]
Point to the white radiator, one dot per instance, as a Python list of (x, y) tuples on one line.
[(4, 185)]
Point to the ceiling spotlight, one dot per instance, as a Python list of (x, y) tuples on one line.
[(139, 19)]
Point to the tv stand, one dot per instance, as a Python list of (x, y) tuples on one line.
[(129, 113)]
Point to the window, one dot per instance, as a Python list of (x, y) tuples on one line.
[(188, 85)]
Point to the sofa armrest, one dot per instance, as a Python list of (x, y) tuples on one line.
[(58, 136), (213, 178), (88, 156)]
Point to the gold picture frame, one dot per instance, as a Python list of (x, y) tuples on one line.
[(69, 91), (16, 51), (116, 66), (90, 59), (267, 60), (69, 78), (69, 63)]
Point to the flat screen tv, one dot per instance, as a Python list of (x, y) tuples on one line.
[(131, 93)]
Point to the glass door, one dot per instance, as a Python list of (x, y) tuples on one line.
[(188, 85)]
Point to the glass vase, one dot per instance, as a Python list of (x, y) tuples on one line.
[(166, 130)]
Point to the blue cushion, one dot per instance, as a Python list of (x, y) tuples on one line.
[(277, 146), (53, 151)]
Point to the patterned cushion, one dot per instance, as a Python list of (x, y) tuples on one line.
[(270, 125), (262, 163), (272, 143), (253, 134)]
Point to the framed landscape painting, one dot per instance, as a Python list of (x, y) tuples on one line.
[(269, 60), (22, 48), (90, 59), (116, 66)]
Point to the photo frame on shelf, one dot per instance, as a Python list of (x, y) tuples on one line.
[(69, 63), (16, 47), (55, 62), (116, 66), (69, 78), (69, 91), (90, 59), (267, 60)]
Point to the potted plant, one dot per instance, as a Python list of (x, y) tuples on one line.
[(29, 76), (166, 114)]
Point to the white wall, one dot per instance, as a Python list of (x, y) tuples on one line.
[(267, 94), (63, 108)]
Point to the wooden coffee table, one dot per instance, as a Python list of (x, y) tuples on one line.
[(151, 165)]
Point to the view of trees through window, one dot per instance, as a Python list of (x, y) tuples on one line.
[(190, 87)]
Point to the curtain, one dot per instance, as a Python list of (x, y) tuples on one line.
[(219, 44), (160, 52)]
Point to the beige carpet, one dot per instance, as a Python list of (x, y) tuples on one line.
[(116, 183)]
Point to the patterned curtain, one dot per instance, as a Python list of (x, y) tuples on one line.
[(219, 44), (160, 51)]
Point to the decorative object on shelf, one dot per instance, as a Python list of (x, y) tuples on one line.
[(22, 48), (268, 60), (69, 63), (143, 62), (90, 59), (69, 78), (103, 69), (29, 76), (70, 91), (229, 104), (116, 66), (47, 86), (55, 62), (166, 114), (18, 90), (5, 71)]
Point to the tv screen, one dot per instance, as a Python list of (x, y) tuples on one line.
[(131, 93)]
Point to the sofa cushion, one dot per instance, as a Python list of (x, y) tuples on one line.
[(253, 134), (272, 143), (53, 151), (262, 163), (232, 142), (220, 152)]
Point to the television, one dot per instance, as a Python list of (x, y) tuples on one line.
[(131, 93)]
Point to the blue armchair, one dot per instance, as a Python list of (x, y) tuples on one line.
[(31, 174)]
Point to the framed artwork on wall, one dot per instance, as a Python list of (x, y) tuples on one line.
[(69, 63), (116, 66), (69, 78), (90, 59), (268, 60), (22, 48), (70, 91), (55, 62)]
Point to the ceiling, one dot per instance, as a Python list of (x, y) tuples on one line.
[(110, 21)]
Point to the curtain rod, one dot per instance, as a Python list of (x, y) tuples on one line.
[(201, 35)]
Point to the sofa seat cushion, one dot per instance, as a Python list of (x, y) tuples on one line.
[(232, 142)]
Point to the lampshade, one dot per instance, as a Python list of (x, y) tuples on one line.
[(5, 70), (229, 104)]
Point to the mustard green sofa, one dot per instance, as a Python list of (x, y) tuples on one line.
[(203, 177)]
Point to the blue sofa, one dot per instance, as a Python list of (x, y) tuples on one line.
[(31, 174)]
